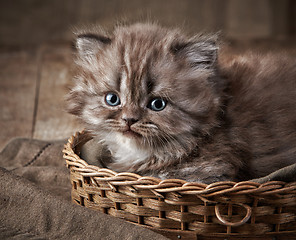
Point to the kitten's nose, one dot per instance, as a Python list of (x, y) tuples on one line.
[(130, 121)]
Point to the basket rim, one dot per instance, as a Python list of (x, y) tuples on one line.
[(159, 186)]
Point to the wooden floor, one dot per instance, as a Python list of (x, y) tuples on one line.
[(33, 84)]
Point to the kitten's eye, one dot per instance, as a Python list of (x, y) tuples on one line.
[(157, 104), (112, 99)]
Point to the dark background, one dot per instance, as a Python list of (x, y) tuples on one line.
[(27, 23)]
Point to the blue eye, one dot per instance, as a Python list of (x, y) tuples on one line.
[(112, 99), (157, 104)]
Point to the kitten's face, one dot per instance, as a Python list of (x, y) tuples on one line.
[(146, 84)]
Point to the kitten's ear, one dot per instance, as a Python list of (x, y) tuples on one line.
[(197, 52), (90, 44)]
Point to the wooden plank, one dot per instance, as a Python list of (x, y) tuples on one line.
[(248, 19), (239, 18), (29, 23), (51, 120), (280, 20), (18, 77)]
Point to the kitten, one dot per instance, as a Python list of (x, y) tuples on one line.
[(170, 106)]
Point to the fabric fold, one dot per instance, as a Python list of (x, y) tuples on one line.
[(35, 199)]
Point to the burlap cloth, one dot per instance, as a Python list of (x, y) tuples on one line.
[(35, 199)]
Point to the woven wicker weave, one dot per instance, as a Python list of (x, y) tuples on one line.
[(184, 210)]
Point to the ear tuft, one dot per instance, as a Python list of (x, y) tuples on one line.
[(89, 44), (197, 52)]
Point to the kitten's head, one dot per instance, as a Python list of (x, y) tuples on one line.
[(147, 84)]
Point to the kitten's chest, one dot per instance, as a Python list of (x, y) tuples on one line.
[(125, 153)]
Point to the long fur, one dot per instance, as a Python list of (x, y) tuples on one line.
[(224, 120)]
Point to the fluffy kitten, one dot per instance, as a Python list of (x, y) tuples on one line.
[(167, 105)]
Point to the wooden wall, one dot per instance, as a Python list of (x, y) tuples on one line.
[(34, 76), (33, 22)]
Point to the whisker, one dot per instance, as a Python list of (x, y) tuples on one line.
[(95, 108), (111, 121)]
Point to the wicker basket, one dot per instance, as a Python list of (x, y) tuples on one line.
[(184, 210)]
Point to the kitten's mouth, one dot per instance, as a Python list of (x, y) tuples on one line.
[(131, 133)]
